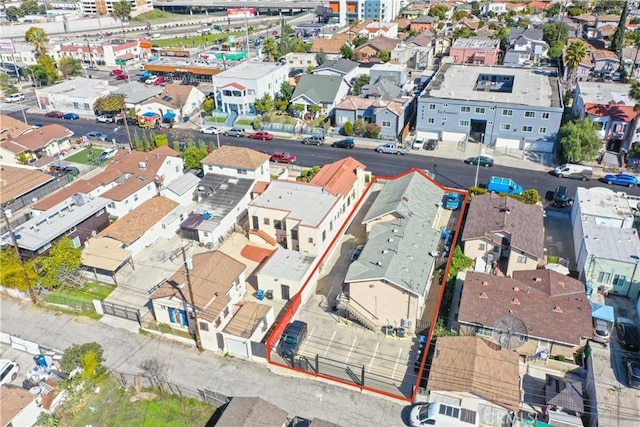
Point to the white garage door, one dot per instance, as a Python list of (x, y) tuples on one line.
[(453, 136), (427, 135), (507, 143), (540, 147), (238, 348)]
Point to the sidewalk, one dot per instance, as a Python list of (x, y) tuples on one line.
[(124, 351)]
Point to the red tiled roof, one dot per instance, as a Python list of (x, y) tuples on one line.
[(236, 85), (338, 177), (618, 113)]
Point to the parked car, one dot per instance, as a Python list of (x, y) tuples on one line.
[(431, 144), (561, 197), (92, 68), (159, 81), (313, 140), (105, 118), (628, 334), (130, 121), (601, 331), (485, 161), (633, 371), (151, 80), (621, 179), (97, 135), (293, 335), (418, 143), (391, 148), (357, 252), (8, 371), (237, 132), (344, 143), (453, 201), (263, 135), (210, 130), (122, 77), (64, 170), (583, 173), (116, 72), (282, 157), (70, 116), (14, 98), (55, 114)]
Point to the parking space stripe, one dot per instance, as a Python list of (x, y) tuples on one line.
[(355, 340), (329, 345), (393, 374), (375, 352), (307, 339)]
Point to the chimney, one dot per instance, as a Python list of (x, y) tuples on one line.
[(485, 283), (484, 295), (537, 279), (516, 289), (515, 301), (557, 309)]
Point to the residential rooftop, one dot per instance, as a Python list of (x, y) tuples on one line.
[(182, 184), (476, 43), (305, 202), (536, 88), (16, 181), (79, 87), (601, 202), (248, 70), (234, 157), (605, 93), (46, 227), (617, 244), (136, 92), (249, 316), (286, 264)]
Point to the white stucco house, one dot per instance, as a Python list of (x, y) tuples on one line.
[(73, 96), (175, 103), (238, 162)]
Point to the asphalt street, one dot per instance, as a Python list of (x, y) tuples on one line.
[(124, 351), (449, 172)]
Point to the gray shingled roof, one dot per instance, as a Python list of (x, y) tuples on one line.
[(183, 183), (398, 250), (383, 88), (341, 65), (318, 88), (136, 92), (564, 393), (251, 412)]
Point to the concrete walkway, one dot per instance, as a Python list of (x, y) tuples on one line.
[(124, 351)]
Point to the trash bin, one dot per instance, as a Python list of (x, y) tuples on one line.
[(260, 294)]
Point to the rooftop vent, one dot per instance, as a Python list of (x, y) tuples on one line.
[(557, 309), (515, 301), (485, 283), (484, 295), (516, 289)]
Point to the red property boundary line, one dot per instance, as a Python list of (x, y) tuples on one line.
[(296, 301)]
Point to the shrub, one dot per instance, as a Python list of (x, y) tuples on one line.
[(74, 355), (257, 123), (473, 191), (161, 140), (530, 196), (348, 129)]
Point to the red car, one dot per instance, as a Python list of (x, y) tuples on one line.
[(116, 72), (55, 114), (282, 157), (122, 77), (265, 136), (159, 81)]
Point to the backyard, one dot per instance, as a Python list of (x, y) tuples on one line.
[(87, 156), (113, 405)]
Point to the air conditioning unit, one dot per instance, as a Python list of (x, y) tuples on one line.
[(406, 323)]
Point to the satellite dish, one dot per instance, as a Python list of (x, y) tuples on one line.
[(508, 332)]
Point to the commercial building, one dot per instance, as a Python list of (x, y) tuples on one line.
[(347, 11), (76, 95), (105, 7), (499, 106), (475, 50)]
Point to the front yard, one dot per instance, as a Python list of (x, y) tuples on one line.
[(76, 296), (87, 156)]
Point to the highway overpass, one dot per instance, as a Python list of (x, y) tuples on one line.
[(219, 5)]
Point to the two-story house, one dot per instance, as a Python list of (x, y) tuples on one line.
[(174, 103), (396, 72), (218, 285), (507, 235), (526, 47), (238, 162), (320, 90), (78, 217), (390, 115), (416, 52), (609, 105), (341, 67), (306, 217), (49, 140), (424, 23), (237, 88)]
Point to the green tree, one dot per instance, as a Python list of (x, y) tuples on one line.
[(193, 156), (554, 10), (38, 39), (6, 85), (62, 265), (160, 140), (347, 128), (634, 93), (385, 55), (617, 42), (502, 34), (270, 48), (74, 355), (459, 14), (579, 140), (373, 130), (111, 103), (459, 262), (463, 33), (314, 109), (122, 12), (92, 369), (286, 91), (11, 274), (13, 13), (575, 11), (45, 69), (346, 51), (359, 41), (281, 104), (439, 11), (361, 81), (69, 66), (555, 49), (574, 54), (321, 57), (208, 106), (30, 7), (555, 31), (264, 104)]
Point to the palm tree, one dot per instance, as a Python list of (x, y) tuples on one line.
[(634, 93), (38, 39), (122, 12), (573, 56)]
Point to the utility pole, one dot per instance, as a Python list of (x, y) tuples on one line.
[(188, 265), (7, 216)]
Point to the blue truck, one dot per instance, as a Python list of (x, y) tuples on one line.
[(497, 184)]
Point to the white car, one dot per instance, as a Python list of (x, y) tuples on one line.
[(14, 98), (155, 35), (8, 371), (210, 130), (151, 80)]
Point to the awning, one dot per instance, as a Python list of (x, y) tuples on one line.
[(126, 56), (169, 116), (105, 254), (602, 312), (150, 114)]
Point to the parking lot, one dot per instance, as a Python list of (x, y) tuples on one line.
[(343, 349)]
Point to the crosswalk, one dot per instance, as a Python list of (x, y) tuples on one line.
[(6, 107)]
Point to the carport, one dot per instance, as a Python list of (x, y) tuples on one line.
[(104, 256), (602, 312)]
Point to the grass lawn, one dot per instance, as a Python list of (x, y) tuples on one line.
[(216, 120), (112, 407), (283, 119), (85, 156), (244, 122), (90, 292), (194, 41)]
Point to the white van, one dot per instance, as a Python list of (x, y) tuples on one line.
[(583, 173), (109, 153), (439, 414)]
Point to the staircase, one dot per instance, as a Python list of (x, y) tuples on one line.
[(357, 312), (233, 116), (264, 236)]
